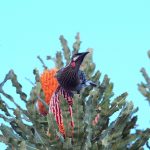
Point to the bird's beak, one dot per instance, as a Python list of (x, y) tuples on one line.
[(83, 54)]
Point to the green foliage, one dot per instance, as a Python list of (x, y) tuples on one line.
[(144, 88), (28, 130)]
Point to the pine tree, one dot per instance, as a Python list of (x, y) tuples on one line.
[(93, 108)]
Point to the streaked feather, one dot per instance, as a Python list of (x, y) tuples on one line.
[(55, 107)]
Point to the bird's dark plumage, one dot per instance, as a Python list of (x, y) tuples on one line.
[(70, 77)]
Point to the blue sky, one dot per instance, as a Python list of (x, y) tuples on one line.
[(118, 31)]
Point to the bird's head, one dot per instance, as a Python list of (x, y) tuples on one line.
[(77, 59)]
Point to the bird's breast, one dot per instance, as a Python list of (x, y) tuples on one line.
[(68, 79)]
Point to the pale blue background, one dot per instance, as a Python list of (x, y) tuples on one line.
[(118, 30)]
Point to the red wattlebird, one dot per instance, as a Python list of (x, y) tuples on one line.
[(70, 78)]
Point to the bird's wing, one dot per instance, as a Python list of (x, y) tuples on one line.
[(83, 81), (55, 107), (82, 77)]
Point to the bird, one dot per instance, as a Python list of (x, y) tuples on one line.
[(70, 79)]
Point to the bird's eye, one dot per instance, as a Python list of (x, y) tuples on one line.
[(75, 58)]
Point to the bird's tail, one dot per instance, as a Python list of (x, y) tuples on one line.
[(55, 108), (93, 84)]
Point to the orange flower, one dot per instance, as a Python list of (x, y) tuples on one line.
[(49, 85)]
